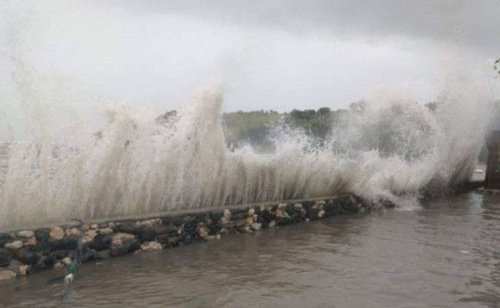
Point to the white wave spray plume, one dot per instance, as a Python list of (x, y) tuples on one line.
[(137, 165)]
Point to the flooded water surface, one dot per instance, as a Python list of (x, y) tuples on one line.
[(445, 254)]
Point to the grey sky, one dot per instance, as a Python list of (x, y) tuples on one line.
[(270, 54), (474, 23)]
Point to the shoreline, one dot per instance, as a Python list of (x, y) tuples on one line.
[(26, 251)]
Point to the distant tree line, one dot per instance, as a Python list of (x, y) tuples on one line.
[(257, 127)]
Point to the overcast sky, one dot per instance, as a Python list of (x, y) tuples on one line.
[(273, 54)]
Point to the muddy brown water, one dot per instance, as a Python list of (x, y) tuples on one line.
[(446, 254)]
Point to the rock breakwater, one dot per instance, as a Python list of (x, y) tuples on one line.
[(25, 252)]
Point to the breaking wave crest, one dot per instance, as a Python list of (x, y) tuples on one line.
[(137, 164)]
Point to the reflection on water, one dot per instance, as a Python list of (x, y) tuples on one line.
[(443, 255)]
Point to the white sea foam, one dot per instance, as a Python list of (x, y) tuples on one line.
[(140, 166)]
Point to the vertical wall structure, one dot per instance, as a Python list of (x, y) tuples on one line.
[(493, 167)]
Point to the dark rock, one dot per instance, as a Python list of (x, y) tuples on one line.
[(5, 257), (239, 214), (148, 234), (289, 209), (173, 241), (295, 214), (133, 246), (196, 218), (88, 254), (266, 216), (118, 250), (215, 226), (127, 227), (59, 254), (163, 239), (65, 243), (169, 240), (43, 248), (260, 219), (347, 203), (43, 263), (103, 225), (216, 216), (4, 238), (284, 221), (161, 229), (257, 210), (307, 206), (14, 266), (333, 209), (102, 242), (19, 268), (26, 255), (171, 220), (190, 228), (36, 268), (187, 239), (187, 219), (125, 248), (42, 235), (48, 261)]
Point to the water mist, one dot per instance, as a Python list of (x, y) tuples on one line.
[(137, 164)]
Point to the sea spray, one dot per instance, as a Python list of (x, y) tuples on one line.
[(137, 164)]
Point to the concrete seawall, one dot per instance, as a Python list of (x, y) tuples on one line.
[(24, 252)]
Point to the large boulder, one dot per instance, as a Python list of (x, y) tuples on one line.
[(4, 238), (73, 233), (161, 229), (127, 227), (102, 242), (151, 246), (15, 245), (19, 268), (170, 240), (122, 238), (31, 241), (89, 236), (65, 243), (26, 255), (7, 275), (25, 234), (42, 234), (124, 248), (59, 254), (5, 257), (147, 234), (106, 231), (56, 234), (123, 243)]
